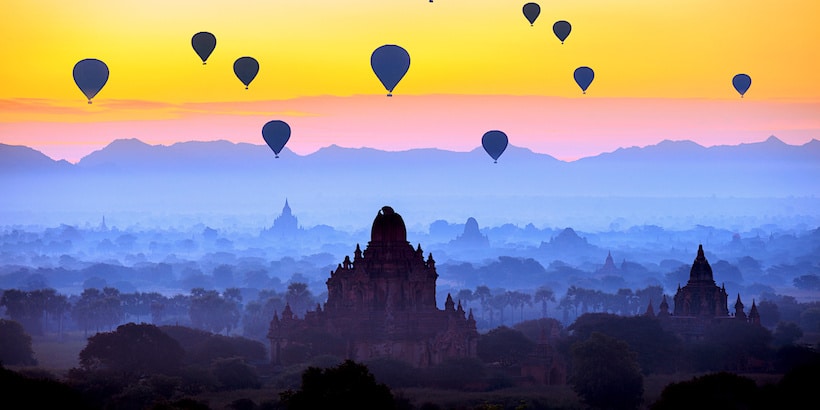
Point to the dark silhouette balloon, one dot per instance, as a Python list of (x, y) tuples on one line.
[(494, 142), (204, 44), (246, 69), (741, 82), (561, 29), (583, 77), (276, 134), (390, 63), (531, 12), (90, 75)]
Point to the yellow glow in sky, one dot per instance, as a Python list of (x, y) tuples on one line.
[(666, 49)]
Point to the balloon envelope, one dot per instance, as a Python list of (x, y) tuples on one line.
[(276, 134), (90, 75), (583, 77), (390, 63), (204, 44), (531, 12), (561, 29), (246, 69), (494, 142), (742, 82)]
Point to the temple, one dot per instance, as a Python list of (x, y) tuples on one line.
[(285, 224), (700, 303), (382, 303), (471, 238)]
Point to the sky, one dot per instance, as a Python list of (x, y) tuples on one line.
[(663, 70)]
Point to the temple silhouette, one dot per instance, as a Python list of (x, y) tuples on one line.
[(382, 303), (285, 225), (700, 303)]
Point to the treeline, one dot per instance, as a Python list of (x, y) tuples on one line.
[(47, 311), (248, 312), (606, 357)]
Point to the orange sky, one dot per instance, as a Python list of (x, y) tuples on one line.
[(663, 71)]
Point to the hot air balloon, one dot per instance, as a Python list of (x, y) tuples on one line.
[(276, 134), (494, 142), (583, 77), (390, 63), (561, 29), (531, 12), (741, 82), (246, 69), (204, 44), (90, 75)]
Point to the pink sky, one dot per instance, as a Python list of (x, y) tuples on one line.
[(566, 128)]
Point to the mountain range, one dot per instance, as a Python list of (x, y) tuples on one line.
[(240, 177)]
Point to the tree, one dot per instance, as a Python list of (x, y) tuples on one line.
[(24, 308), (132, 350), (233, 374), (543, 295), (657, 349), (729, 346), (786, 333), (712, 391), (214, 312), (483, 294), (605, 373), (299, 297), (15, 344), (349, 385), (505, 346), (98, 309)]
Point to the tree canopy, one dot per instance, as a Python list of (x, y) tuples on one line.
[(349, 385), (132, 350), (605, 373)]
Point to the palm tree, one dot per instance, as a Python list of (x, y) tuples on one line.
[(544, 294)]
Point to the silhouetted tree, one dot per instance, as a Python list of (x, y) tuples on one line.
[(214, 312), (15, 344), (349, 385), (786, 333), (25, 308), (712, 391), (258, 314), (535, 329), (98, 309), (731, 346), (505, 346), (299, 297), (657, 349), (132, 350), (233, 373), (202, 347), (21, 392), (543, 295), (483, 294), (605, 373)]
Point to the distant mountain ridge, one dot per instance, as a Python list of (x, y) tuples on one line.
[(133, 154), (222, 172)]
